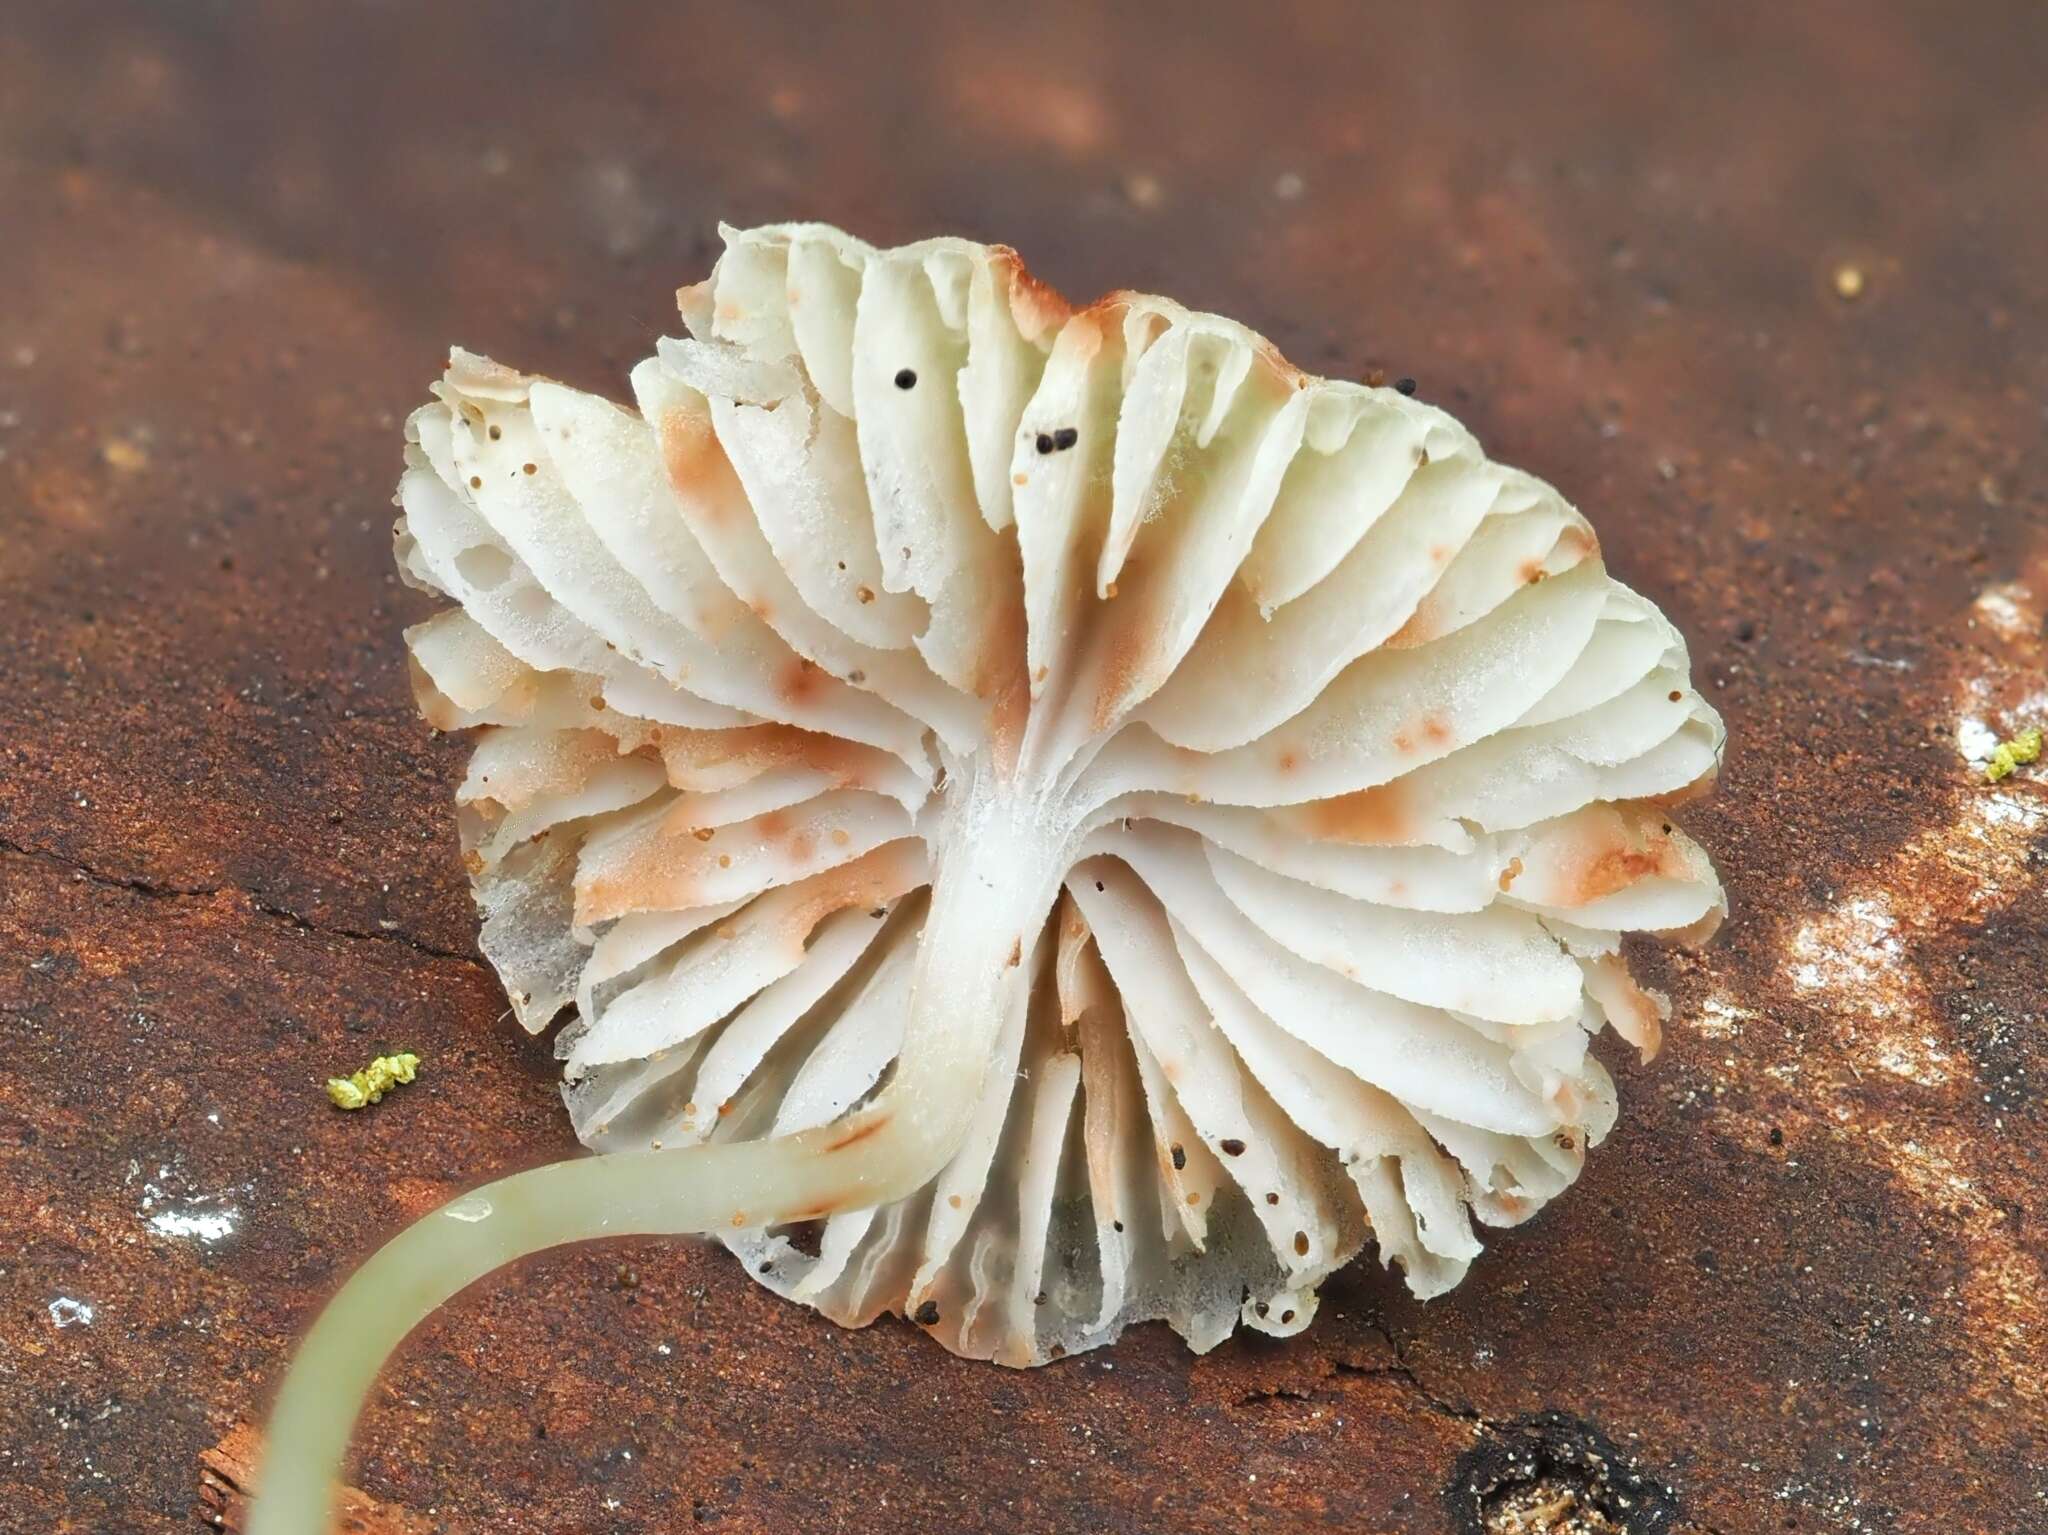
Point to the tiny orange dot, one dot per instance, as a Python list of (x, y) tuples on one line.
[(725, 860), (840, 836)]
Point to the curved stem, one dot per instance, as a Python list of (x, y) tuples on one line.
[(998, 872)]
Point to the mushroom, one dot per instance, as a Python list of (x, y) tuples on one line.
[(1046, 818)]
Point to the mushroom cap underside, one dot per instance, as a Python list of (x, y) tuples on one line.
[(1359, 765)]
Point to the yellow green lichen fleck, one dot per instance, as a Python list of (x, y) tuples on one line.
[(361, 1089), (2009, 756)]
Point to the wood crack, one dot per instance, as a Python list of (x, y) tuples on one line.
[(155, 891), (1400, 1370)]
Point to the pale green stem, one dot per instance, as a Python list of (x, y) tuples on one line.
[(998, 871)]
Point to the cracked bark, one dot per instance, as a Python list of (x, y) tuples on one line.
[(154, 891), (1400, 1370), (227, 1482)]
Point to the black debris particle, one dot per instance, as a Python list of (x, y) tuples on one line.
[(1405, 385), (1044, 443), (1231, 1148), (1065, 438), (1180, 1158), (928, 1314), (906, 378), (1551, 1472)]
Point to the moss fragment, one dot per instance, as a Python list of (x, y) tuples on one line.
[(361, 1089), (2009, 756)]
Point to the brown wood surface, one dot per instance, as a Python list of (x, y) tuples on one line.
[(1801, 1289)]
